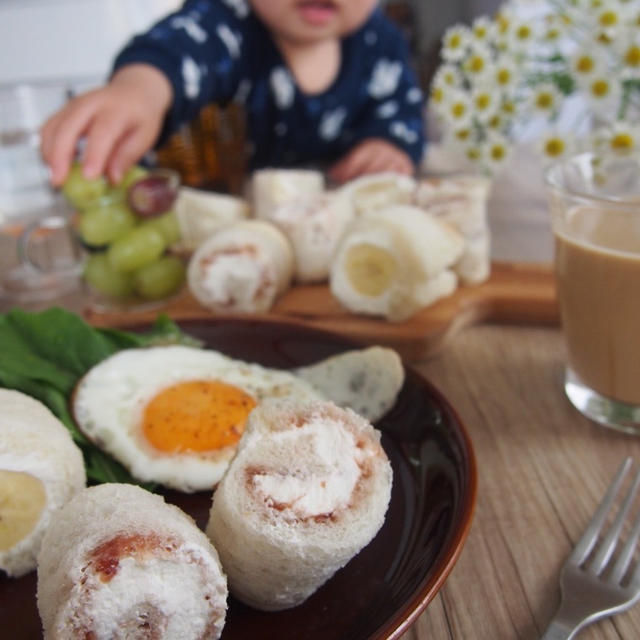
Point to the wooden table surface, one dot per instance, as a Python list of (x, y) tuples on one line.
[(542, 468)]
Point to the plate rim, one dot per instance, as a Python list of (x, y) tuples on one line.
[(405, 617)]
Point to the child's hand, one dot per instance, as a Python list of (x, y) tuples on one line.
[(373, 155), (120, 121)]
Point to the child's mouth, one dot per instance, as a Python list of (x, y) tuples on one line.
[(317, 12)]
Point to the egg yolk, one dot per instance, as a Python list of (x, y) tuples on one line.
[(196, 416)]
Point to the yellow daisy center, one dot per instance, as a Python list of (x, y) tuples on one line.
[(497, 152), (554, 147), (503, 76), (544, 101), (475, 64), (609, 19), (632, 56), (622, 141), (600, 88), (458, 110), (483, 101), (584, 64)]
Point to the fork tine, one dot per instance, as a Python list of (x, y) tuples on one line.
[(611, 540), (622, 564), (589, 537)]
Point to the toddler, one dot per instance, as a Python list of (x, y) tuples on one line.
[(322, 82)]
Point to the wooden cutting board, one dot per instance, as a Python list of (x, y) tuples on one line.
[(515, 293)]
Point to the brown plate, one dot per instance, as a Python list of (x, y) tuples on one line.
[(389, 583)]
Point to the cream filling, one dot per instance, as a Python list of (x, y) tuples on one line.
[(159, 593), (326, 476), (235, 279)]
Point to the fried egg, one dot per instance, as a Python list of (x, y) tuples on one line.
[(174, 414)]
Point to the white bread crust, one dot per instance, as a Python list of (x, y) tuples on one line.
[(275, 561), (94, 517)]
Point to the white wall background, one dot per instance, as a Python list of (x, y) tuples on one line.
[(58, 40)]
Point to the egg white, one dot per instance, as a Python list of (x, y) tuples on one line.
[(109, 403)]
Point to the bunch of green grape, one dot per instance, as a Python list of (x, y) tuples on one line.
[(126, 229)]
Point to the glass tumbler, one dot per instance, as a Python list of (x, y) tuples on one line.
[(595, 215)]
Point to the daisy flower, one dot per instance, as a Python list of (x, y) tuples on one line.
[(604, 93), (608, 19), (629, 50), (545, 99), (475, 153), (448, 74), (585, 63), (457, 108), (482, 29), (622, 139), (437, 94), (554, 29), (554, 145), (521, 36), (504, 73), (455, 42), (477, 63), (495, 151), (484, 102), (497, 122)]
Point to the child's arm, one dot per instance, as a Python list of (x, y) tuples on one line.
[(120, 122), (161, 79)]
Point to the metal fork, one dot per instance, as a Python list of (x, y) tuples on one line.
[(596, 585)]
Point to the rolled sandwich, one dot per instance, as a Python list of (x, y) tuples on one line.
[(119, 562), (201, 213), (314, 225), (388, 260), (307, 490), (462, 203), (474, 265), (242, 268), (379, 190), (40, 469), (271, 188)]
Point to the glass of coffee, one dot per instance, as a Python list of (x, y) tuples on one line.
[(595, 214)]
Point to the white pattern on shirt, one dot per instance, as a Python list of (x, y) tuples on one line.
[(331, 123), (387, 109), (400, 130), (232, 40), (192, 28), (282, 87), (191, 76), (385, 78), (414, 95), (239, 7)]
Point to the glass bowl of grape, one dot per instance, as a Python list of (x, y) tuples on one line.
[(127, 231)]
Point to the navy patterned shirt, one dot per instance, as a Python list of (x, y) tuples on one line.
[(217, 51)]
